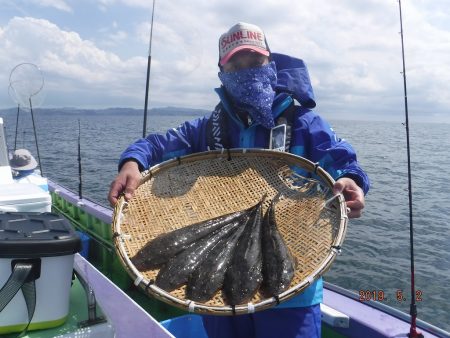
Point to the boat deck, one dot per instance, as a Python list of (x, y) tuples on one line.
[(124, 318)]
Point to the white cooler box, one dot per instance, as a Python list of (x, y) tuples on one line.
[(24, 197), (43, 245)]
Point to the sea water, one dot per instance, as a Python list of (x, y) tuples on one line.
[(375, 258)]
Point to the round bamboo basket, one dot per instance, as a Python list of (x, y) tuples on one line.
[(201, 186)]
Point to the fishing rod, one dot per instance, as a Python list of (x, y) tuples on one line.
[(35, 138), (149, 63), (17, 125), (413, 308), (10, 91), (80, 186)]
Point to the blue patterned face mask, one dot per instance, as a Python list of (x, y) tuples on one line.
[(252, 90)]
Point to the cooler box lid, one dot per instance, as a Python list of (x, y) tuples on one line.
[(32, 235), (22, 193)]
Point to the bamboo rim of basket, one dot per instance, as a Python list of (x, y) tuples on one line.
[(150, 288)]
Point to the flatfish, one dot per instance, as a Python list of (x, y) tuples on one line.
[(162, 248), (244, 276), (278, 263), (208, 277), (178, 269)]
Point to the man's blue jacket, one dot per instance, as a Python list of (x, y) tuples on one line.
[(311, 137)]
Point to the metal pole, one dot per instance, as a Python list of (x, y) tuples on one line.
[(413, 308), (80, 185), (17, 126), (35, 138), (149, 63)]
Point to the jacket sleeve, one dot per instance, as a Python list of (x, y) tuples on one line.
[(333, 154), (155, 148)]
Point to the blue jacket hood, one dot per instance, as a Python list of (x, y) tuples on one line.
[(293, 78)]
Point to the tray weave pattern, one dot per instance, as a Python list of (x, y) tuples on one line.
[(202, 186)]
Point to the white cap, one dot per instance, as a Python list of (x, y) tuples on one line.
[(242, 36)]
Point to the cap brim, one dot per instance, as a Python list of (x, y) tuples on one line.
[(228, 56), (29, 166)]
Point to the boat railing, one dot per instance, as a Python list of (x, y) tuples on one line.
[(94, 220), (91, 303)]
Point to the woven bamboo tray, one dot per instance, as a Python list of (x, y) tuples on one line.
[(198, 187)]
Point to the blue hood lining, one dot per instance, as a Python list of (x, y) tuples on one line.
[(293, 78)]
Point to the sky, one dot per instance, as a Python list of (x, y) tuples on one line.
[(93, 54)]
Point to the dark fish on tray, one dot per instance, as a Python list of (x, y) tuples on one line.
[(278, 263), (178, 269), (162, 248), (208, 277), (244, 276)]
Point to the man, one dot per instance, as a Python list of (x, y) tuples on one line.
[(24, 169), (257, 95)]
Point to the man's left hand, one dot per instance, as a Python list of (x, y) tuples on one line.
[(353, 194)]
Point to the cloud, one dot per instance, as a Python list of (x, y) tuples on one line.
[(352, 50), (58, 4), (347, 58), (73, 68), (115, 38)]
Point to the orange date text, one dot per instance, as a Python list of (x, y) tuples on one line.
[(367, 295)]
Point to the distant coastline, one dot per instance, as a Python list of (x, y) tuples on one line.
[(191, 112), (176, 111)]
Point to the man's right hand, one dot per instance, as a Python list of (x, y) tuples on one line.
[(125, 182)]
